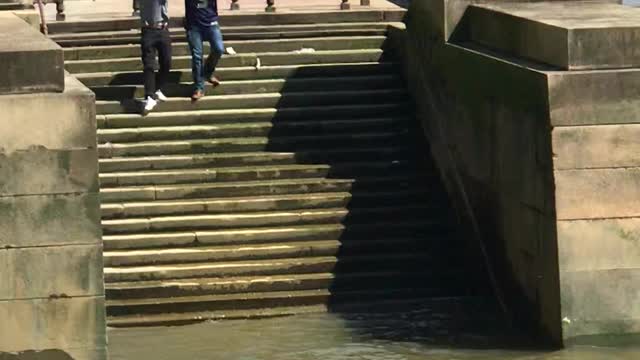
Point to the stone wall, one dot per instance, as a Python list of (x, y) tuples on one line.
[(52, 293)]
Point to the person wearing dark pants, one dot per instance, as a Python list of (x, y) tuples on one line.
[(155, 39), (201, 23)]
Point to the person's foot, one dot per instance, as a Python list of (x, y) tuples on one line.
[(149, 104), (213, 80), (197, 95), (160, 96)]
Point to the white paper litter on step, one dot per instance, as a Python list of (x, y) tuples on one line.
[(305, 51), (258, 63), (231, 51)]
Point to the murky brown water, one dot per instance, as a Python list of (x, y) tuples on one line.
[(399, 336)]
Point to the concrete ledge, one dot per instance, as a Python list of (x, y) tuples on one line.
[(68, 324), (43, 220), (53, 121), (30, 62), (569, 35), (77, 271)]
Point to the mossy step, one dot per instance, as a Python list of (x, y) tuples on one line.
[(255, 188), (332, 156), (250, 129), (270, 58), (234, 116), (412, 261), (249, 73), (250, 173), (240, 46), (121, 92), (263, 218), (428, 230), (263, 203), (266, 100)]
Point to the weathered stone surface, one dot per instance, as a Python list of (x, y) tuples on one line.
[(31, 62), (54, 121), (597, 193), (59, 323), (41, 171), (599, 244), (600, 301), (41, 220), (543, 32), (57, 271), (586, 147)]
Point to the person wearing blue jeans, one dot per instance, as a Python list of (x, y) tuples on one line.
[(201, 23)]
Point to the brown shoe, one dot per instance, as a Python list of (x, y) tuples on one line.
[(213, 80), (197, 95)]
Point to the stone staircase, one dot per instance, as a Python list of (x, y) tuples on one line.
[(297, 186)]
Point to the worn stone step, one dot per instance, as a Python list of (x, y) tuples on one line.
[(249, 73), (270, 58), (332, 156), (261, 219), (246, 144), (246, 173), (378, 230), (291, 282), (121, 92), (271, 129), (254, 188), (240, 46), (234, 116), (412, 261), (266, 251), (262, 203), (258, 300), (266, 100)]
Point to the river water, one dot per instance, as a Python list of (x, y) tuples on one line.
[(409, 335)]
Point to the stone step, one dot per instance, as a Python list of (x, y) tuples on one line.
[(255, 188), (266, 100), (251, 144), (249, 73), (240, 46), (245, 173), (396, 262), (260, 20), (270, 129), (216, 254), (121, 92), (262, 219), (229, 61), (273, 299), (262, 203), (234, 116), (332, 156), (292, 282), (378, 230)]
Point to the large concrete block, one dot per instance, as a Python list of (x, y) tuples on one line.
[(30, 61), (600, 302), (586, 147), (54, 121), (56, 271), (597, 193), (69, 324), (42, 171), (599, 244), (41, 220), (567, 35)]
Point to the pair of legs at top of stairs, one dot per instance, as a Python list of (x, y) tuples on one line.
[(197, 35), (155, 40)]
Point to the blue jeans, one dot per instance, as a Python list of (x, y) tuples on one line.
[(196, 37)]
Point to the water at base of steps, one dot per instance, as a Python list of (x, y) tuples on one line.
[(410, 335)]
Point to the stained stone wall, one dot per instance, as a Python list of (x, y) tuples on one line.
[(51, 290)]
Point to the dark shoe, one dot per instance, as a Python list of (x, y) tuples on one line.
[(213, 80), (197, 95)]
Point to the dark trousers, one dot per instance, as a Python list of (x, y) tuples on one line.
[(155, 41)]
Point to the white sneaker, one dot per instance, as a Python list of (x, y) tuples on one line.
[(149, 104), (160, 96)]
